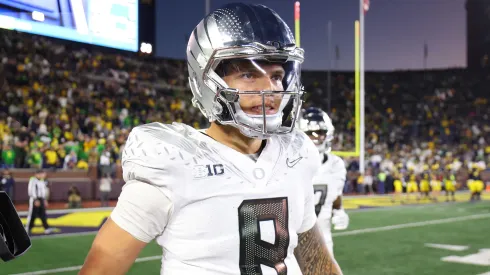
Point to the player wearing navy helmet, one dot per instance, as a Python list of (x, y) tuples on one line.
[(330, 178)]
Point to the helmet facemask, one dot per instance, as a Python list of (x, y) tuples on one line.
[(322, 139), (257, 88), (319, 137)]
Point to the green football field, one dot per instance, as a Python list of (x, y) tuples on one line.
[(443, 238)]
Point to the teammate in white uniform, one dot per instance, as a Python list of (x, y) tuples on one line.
[(330, 179), (236, 198)]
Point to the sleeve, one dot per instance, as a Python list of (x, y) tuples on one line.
[(146, 201), (30, 189), (142, 210), (339, 176), (313, 164), (44, 190)]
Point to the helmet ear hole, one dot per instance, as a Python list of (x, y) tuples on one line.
[(217, 108), (287, 112), (224, 115)]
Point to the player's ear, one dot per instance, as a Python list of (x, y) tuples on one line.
[(14, 240)]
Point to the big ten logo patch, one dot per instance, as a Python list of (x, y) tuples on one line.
[(201, 171)]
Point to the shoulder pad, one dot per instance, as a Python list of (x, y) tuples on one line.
[(152, 144), (337, 161), (295, 142)]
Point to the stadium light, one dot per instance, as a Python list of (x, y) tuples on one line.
[(38, 16), (146, 48)]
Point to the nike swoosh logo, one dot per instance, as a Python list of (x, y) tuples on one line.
[(292, 163)]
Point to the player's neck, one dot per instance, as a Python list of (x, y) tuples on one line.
[(233, 138)]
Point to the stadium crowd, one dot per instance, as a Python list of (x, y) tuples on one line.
[(67, 108), (417, 123)]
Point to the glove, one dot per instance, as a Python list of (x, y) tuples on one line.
[(340, 219)]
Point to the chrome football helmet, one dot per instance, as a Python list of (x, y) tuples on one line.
[(318, 126), (254, 36)]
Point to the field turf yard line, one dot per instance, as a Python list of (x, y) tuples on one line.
[(410, 225), (78, 267)]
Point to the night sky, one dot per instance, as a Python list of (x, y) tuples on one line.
[(395, 31)]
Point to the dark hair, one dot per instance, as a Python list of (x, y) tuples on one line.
[(229, 66)]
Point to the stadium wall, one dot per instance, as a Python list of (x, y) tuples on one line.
[(61, 181), (87, 183)]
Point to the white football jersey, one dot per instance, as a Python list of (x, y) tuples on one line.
[(212, 209), (328, 183)]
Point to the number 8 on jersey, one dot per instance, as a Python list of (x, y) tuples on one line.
[(253, 250)]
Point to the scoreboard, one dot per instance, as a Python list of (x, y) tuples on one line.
[(108, 23)]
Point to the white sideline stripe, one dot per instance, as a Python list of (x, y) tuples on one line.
[(486, 273), (412, 224), (78, 267), (347, 233)]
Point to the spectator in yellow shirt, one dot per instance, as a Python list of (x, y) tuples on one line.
[(82, 165), (360, 184), (51, 158)]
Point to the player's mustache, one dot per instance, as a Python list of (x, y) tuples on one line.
[(269, 101)]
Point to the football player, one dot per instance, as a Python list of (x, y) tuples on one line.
[(450, 185), (412, 187), (330, 179), (398, 186), (436, 187), (425, 186), (236, 198), (475, 184)]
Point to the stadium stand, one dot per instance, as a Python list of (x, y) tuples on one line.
[(63, 108)]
